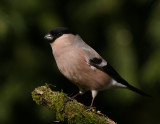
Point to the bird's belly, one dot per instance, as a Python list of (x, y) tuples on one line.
[(81, 74), (92, 79)]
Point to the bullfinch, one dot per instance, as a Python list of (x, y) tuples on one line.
[(82, 65)]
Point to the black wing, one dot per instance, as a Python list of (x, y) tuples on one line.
[(107, 69), (96, 62)]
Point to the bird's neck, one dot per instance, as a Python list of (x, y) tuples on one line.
[(62, 44), (64, 41)]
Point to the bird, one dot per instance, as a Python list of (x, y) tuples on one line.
[(82, 65)]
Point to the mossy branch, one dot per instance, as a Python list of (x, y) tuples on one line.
[(67, 109)]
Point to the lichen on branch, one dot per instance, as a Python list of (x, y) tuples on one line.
[(67, 109)]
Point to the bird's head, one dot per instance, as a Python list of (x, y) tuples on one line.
[(56, 33)]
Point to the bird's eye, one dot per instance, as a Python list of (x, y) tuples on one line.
[(59, 34)]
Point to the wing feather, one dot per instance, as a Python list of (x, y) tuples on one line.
[(114, 74)]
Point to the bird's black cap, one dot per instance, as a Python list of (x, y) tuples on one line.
[(56, 33)]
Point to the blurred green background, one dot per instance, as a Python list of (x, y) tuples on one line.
[(125, 32)]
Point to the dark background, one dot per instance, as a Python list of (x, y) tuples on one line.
[(125, 32)]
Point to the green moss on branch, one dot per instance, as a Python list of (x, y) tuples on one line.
[(68, 110)]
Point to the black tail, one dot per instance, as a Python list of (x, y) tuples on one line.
[(138, 91)]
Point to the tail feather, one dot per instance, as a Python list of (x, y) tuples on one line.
[(138, 91)]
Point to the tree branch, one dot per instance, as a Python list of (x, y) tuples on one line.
[(67, 109)]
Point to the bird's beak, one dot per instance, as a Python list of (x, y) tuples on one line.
[(48, 37)]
